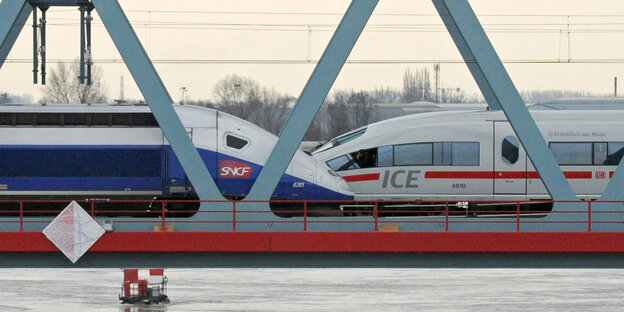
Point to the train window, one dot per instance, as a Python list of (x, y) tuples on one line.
[(600, 153), (6, 119), (365, 158), (384, 156), (235, 142), (344, 162), (122, 120), (69, 162), (49, 119), (143, 120), (100, 120), (616, 149), (76, 119), (465, 154), (340, 140), (24, 119), (349, 137), (442, 153), (572, 153), (413, 154), (510, 150)]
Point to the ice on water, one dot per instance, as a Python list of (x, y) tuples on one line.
[(324, 290)]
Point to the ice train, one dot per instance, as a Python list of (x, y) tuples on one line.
[(474, 156), (119, 152)]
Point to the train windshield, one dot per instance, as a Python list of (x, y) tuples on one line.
[(356, 160), (340, 140)]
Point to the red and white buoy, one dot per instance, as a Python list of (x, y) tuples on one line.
[(152, 289)]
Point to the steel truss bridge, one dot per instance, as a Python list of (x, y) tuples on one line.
[(246, 233)]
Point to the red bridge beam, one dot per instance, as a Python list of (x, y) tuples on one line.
[(338, 242)]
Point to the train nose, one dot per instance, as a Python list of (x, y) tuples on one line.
[(345, 188)]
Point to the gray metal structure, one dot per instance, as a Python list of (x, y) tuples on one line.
[(462, 24), (482, 61)]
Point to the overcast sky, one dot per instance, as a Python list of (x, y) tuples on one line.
[(194, 43)]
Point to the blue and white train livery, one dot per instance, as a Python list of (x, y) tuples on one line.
[(119, 151)]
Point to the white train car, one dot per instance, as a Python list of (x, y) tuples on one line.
[(474, 156), (120, 152)]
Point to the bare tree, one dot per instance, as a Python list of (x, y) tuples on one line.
[(63, 86), (410, 86), (4, 98), (417, 86), (342, 96), (425, 77), (59, 86), (315, 132), (273, 111), (12, 98), (93, 93), (338, 120), (361, 108), (385, 95), (238, 95)]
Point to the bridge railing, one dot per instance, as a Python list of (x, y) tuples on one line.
[(312, 215)]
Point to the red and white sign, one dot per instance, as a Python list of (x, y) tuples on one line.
[(601, 175), (234, 169)]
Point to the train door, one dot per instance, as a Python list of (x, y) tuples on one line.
[(302, 181), (204, 140), (509, 161), (235, 172)]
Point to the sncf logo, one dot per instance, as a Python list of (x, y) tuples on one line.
[(234, 169)]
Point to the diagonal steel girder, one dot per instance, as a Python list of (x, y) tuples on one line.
[(157, 97), (615, 188), (13, 17), (312, 97), (495, 83)]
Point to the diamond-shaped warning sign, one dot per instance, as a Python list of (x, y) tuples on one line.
[(73, 231)]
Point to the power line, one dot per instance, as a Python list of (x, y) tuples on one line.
[(339, 14), (507, 27), (371, 29), (314, 61)]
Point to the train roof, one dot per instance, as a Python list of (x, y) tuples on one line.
[(73, 108), (446, 117), (194, 116), (478, 115)]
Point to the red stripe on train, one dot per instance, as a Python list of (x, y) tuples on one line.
[(500, 175), (362, 177), (458, 174)]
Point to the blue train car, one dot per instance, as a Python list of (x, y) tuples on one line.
[(120, 152)]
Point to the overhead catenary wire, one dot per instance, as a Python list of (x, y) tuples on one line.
[(340, 14), (374, 27), (315, 61), (567, 25)]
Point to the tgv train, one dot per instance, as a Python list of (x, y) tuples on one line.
[(120, 152), (473, 156)]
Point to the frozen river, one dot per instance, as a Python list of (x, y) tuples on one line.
[(324, 290)]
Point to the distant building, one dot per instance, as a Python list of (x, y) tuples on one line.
[(584, 103)]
